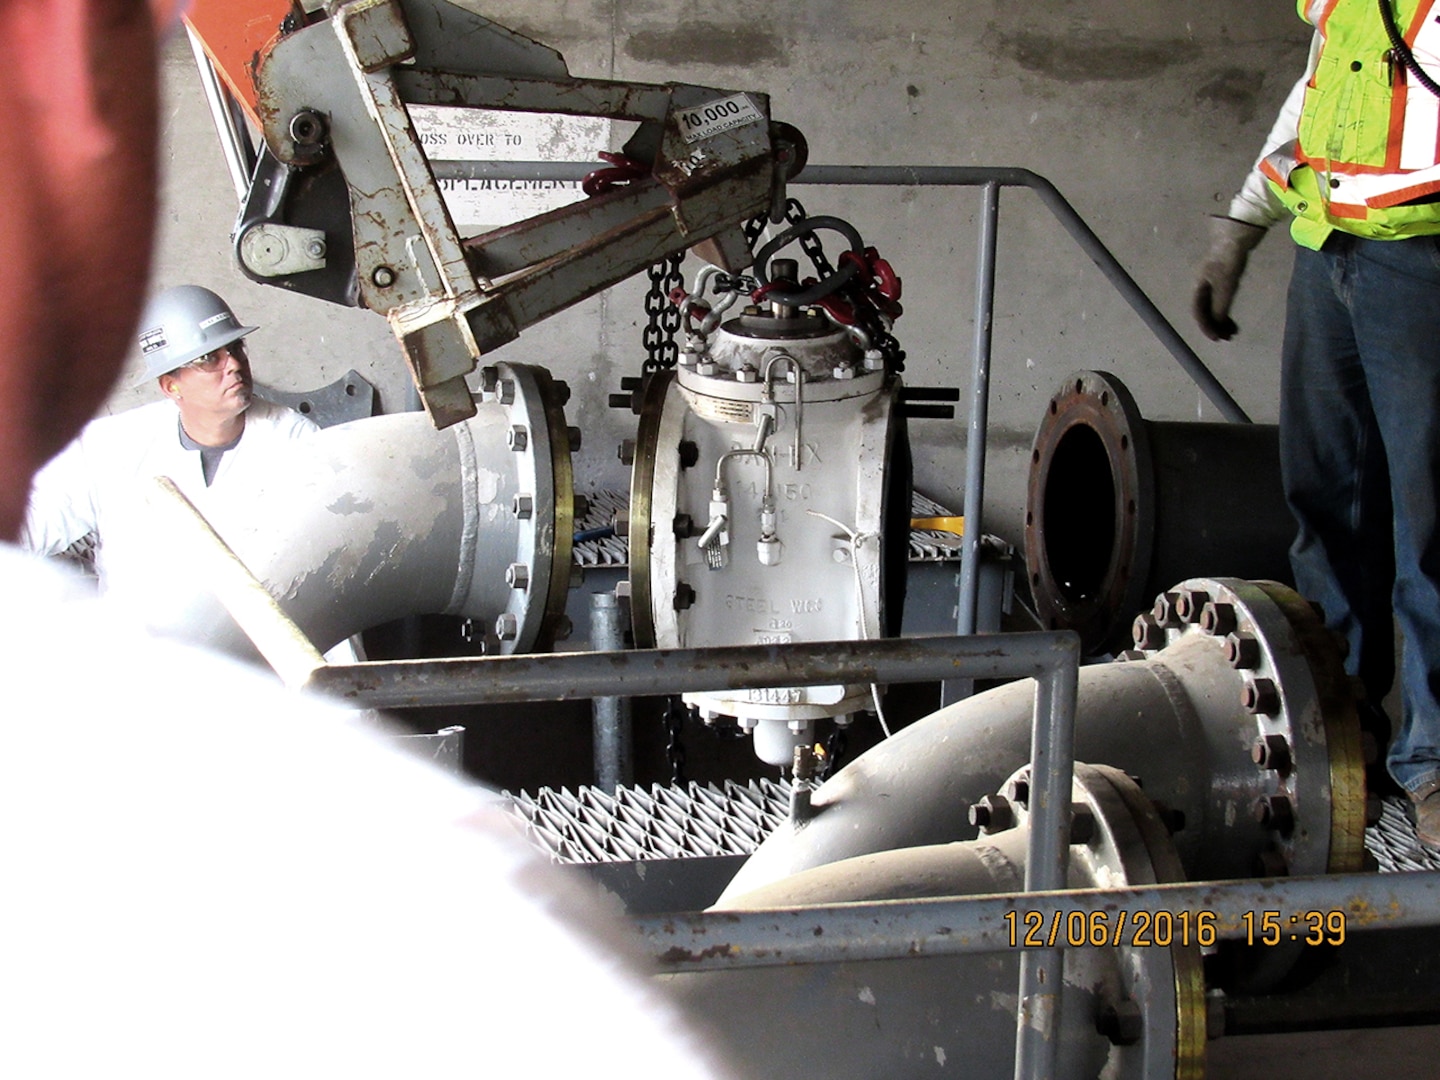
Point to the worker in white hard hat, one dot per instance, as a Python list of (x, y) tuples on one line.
[(208, 426)]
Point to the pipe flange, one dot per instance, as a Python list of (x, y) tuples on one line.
[(642, 510), (1090, 517), (532, 578), (1156, 1013), (1295, 710)]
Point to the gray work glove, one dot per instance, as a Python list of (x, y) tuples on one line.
[(1231, 242)]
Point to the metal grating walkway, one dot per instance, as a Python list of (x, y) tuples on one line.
[(926, 545), (1392, 841), (635, 824), (590, 826)]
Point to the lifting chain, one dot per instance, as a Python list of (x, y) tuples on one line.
[(674, 719), (869, 321), (662, 318), (809, 242)]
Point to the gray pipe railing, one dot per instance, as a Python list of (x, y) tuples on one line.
[(894, 929), (1051, 658)]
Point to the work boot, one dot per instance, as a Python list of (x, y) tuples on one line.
[(1427, 814)]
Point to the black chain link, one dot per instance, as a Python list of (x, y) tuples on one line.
[(674, 718), (810, 243), (662, 318)]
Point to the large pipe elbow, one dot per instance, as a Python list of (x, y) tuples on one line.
[(1238, 707), (387, 517)]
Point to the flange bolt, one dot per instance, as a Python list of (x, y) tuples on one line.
[(1242, 651), (1190, 604), (1260, 696), (1271, 752), (1276, 812), (1148, 633), (992, 814), (1164, 610), (1218, 618)]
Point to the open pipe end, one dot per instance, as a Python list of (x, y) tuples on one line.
[(1090, 513)]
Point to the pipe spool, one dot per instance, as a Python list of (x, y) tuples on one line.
[(1123, 1011), (386, 517), (1118, 507), (1238, 702)]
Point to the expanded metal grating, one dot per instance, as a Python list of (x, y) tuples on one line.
[(590, 826), (926, 545), (1393, 843)]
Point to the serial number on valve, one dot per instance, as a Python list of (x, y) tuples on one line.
[(1163, 929)]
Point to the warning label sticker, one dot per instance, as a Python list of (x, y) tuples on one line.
[(706, 121)]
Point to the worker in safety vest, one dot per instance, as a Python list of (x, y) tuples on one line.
[(208, 426), (1354, 163)]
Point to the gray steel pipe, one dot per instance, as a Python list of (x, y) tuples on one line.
[(1178, 719), (892, 929), (647, 672), (383, 518), (1119, 508), (612, 716)]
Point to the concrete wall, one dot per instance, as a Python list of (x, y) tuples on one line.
[(1145, 115)]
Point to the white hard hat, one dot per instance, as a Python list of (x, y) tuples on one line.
[(183, 324)]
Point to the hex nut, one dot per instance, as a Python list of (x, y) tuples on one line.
[(1082, 824), (1190, 603), (560, 390), (517, 438), (489, 379), (627, 452), (992, 814), (684, 596), (1242, 651), (1122, 1023), (505, 391), (507, 626), (573, 436), (1260, 696), (621, 524), (1271, 752), (1148, 633), (523, 506), (689, 454), (1164, 610), (1218, 618), (517, 576), (1276, 812)]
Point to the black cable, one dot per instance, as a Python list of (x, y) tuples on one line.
[(1400, 51)]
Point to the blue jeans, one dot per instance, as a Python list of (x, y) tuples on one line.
[(1360, 457)]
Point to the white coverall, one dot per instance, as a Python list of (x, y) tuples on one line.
[(208, 876), (102, 481)]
